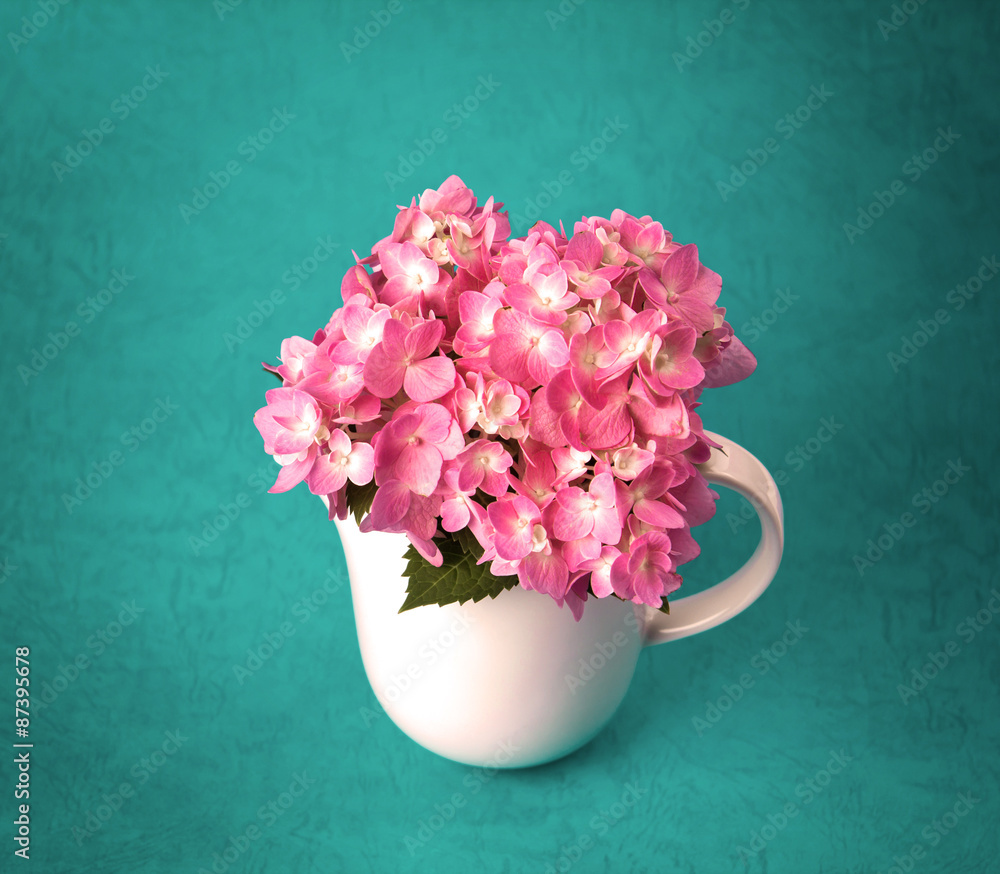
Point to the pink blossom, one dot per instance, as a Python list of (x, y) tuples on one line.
[(414, 445), (567, 367), (735, 362), (457, 506), (513, 518), (555, 412), (583, 265), (363, 330), (630, 461), (525, 351), (477, 310), (396, 509), (659, 416), (543, 295), (401, 361), (684, 287), (329, 382), (454, 196), (294, 352), (289, 422), (536, 477), (544, 572), (594, 512), (627, 341), (345, 460), (600, 571), (570, 463), (646, 240), (500, 405), (356, 288), (413, 280), (643, 495), (484, 464), (577, 552), (645, 574), (611, 426), (295, 468), (670, 364), (412, 225), (588, 356)]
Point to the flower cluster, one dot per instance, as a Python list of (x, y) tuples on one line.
[(539, 391)]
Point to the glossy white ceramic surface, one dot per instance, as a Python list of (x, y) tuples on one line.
[(516, 681)]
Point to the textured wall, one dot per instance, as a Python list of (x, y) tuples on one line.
[(124, 359)]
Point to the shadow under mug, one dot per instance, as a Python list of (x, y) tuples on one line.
[(516, 681)]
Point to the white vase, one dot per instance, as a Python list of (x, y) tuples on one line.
[(515, 680)]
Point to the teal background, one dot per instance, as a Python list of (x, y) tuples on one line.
[(704, 788)]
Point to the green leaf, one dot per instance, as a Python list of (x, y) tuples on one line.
[(359, 499), (458, 579), (664, 607), (278, 375), (467, 540)]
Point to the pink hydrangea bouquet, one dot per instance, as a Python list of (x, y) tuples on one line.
[(523, 410)]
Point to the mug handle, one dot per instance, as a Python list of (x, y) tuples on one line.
[(736, 469)]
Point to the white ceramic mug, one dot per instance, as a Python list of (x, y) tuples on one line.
[(516, 681)]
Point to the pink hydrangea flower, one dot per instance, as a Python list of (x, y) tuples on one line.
[(645, 574), (539, 392), (526, 351), (403, 361), (484, 465), (290, 421), (594, 512), (513, 518), (413, 447), (345, 460)]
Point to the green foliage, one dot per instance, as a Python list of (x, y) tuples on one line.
[(359, 499), (458, 579)]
